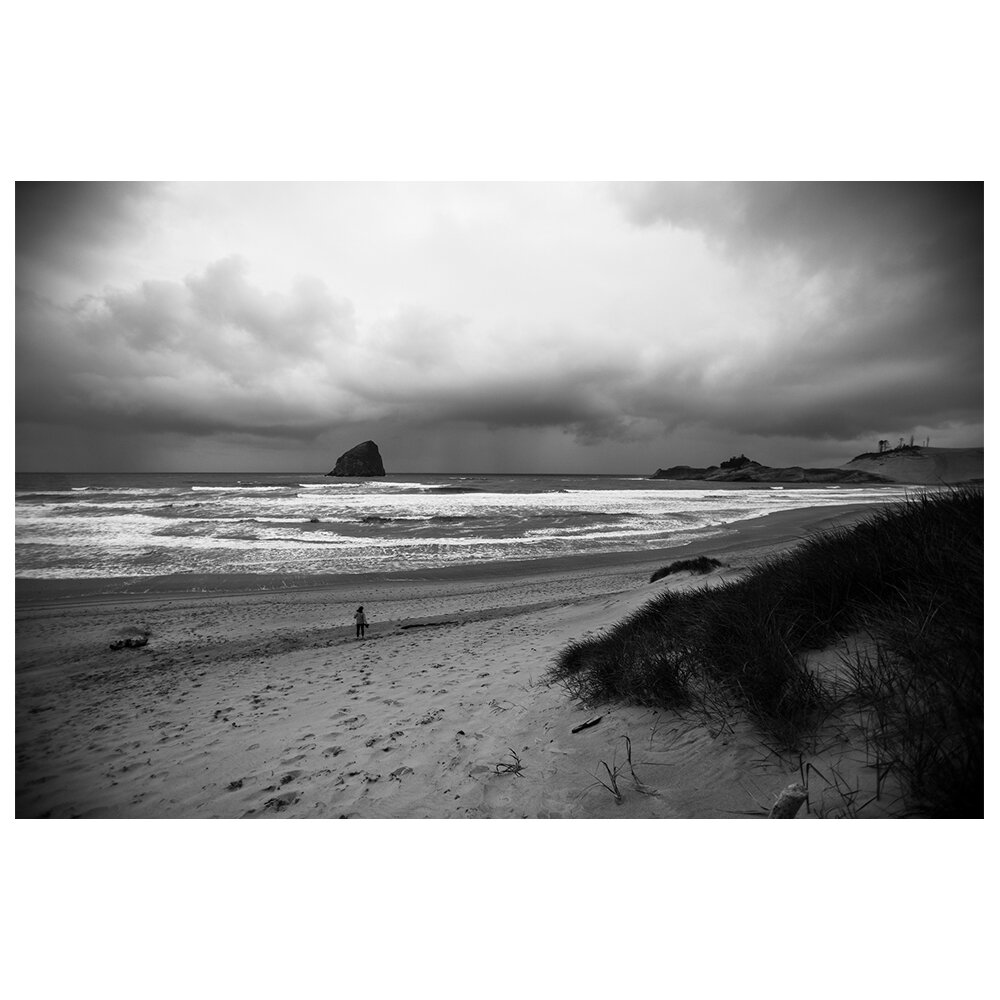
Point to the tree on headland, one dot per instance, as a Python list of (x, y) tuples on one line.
[(885, 446)]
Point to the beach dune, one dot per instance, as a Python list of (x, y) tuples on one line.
[(924, 465)]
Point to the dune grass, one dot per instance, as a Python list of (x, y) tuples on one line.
[(909, 578), (702, 564)]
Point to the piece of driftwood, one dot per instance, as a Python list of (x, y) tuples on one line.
[(588, 724), (789, 802)]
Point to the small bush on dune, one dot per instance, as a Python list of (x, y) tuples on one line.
[(703, 564), (910, 576)]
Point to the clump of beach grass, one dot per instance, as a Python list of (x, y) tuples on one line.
[(701, 564), (909, 577), (513, 766)]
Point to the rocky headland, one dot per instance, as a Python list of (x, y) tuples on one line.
[(741, 469), (906, 464)]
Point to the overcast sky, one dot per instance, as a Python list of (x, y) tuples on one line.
[(493, 327)]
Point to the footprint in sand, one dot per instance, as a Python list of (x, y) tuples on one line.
[(278, 803)]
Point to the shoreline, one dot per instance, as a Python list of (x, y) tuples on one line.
[(263, 703), (774, 528)]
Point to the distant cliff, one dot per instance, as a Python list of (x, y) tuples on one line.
[(743, 470), (362, 460)]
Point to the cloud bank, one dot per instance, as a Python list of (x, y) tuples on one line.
[(840, 312)]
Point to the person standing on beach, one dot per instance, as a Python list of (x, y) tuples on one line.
[(360, 622)]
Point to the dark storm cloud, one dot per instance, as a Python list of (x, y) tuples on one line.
[(209, 354), (892, 225), (844, 404), (216, 355), (513, 383), (900, 269), (60, 224)]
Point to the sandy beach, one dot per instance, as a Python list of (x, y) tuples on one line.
[(262, 703)]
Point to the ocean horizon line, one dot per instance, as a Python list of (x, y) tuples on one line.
[(302, 472)]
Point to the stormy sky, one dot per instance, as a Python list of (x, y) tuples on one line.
[(493, 327)]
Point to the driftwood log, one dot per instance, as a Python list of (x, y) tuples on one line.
[(789, 802)]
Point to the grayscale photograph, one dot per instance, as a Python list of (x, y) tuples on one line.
[(540, 444), (495, 500)]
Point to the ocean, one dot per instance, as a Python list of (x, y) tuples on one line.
[(78, 526)]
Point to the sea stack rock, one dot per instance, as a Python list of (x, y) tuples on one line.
[(362, 460)]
